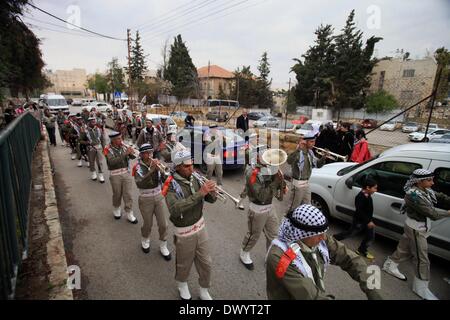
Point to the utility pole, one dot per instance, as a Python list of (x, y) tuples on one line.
[(129, 66), (287, 105)]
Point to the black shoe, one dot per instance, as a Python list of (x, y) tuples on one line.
[(167, 258), (117, 218), (249, 266), (146, 250), (133, 222)]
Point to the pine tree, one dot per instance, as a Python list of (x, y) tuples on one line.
[(181, 71), (264, 94), (245, 87), (115, 76), (138, 66)]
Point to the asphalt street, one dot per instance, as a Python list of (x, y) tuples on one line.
[(113, 265)]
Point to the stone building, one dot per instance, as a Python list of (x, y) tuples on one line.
[(408, 81), (69, 83), (214, 78)]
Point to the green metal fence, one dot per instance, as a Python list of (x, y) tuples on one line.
[(17, 144)]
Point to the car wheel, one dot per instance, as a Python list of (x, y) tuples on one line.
[(320, 204)]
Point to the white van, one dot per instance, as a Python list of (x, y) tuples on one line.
[(335, 186), (54, 102)]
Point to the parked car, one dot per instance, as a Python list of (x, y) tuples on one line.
[(389, 126), (156, 118), (54, 102), (335, 186), (216, 115), (233, 147), (432, 133), (369, 123), (310, 127), (179, 114), (99, 106), (410, 127), (256, 115), (266, 122), (443, 139), (156, 105), (76, 103), (300, 120)]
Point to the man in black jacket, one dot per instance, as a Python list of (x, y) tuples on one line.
[(242, 121), (346, 140)]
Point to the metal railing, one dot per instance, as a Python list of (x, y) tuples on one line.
[(17, 144)]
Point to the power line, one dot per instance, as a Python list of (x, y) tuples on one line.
[(164, 14), (197, 20), (56, 25), (60, 31), (90, 31), (188, 11)]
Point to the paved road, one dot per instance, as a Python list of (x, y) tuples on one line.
[(114, 267)]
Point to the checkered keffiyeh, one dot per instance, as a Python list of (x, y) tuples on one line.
[(181, 156), (305, 221), (417, 175)]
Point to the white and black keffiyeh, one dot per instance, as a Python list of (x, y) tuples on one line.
[(417, 175), (305, 221)]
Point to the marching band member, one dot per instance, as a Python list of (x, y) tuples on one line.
[(185, 197), (96, 146), (117, 159), (100, 119), (152, 136), (83, 143), (213, 140), (163, 127), (171, 146), (419, 206), (302, 161), (139, 124), (262, 183), (297, 260), (151, 202)]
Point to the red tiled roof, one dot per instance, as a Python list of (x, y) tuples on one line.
[(214, 72)]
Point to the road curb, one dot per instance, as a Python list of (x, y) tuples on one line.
[(56, 255)]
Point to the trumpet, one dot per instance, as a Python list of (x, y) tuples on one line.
[(165, 170), (135, 150), (331, 155), (221, 193)]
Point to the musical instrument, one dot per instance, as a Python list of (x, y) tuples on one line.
[(331, 155), (221, 193), (276, 158), (161, 167)]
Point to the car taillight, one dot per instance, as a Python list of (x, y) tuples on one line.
[(227, 154)]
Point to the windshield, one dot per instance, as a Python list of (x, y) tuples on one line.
[(346, 170), (306, 126), (410, 124), (55, 102)]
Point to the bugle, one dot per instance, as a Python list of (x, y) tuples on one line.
[(331, 155)]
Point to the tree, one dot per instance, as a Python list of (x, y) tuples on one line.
[(222, 95), (245, 88), (264, 94), (353, 65), (161, 72), (315, 74), (21, 63), (115, 76), (98, 83), (380, 102), (442, 56), (181, 71), (138, 67)]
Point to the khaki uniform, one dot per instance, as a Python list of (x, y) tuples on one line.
[(151, 201), (119, 176), (185, 205), (262, 216), (300, 175), (294, 285), (214, 161), (419, 210), (153, 137), (95, 150)]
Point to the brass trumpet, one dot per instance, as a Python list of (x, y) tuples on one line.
[(221, 193), (331, 155)]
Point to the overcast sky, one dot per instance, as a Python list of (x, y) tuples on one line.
[(232, 33)]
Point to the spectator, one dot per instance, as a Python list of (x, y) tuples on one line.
[(242, 121), (361, 151), (49, 122), (189, 121), (60, 118), (327, 138), (346, 141)]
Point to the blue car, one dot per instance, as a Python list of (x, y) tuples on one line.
[(233, 147)]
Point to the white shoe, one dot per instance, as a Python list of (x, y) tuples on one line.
[(94, 175), (86, 163), (184, 291), (204, 294), (420, 287), (101, 178), (164, 251), (391, 267), (80, 163), (246, 260), (74, 156), (116, 213), (131, 218), (145, 242)]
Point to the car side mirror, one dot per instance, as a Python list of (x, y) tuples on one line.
[(349, 182)]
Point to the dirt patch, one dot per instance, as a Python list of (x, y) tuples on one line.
[(32, 282), (70, 227)]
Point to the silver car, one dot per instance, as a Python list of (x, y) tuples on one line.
[(410, 127)]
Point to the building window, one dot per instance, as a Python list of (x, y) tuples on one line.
[(381, 81), (408, 73)]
